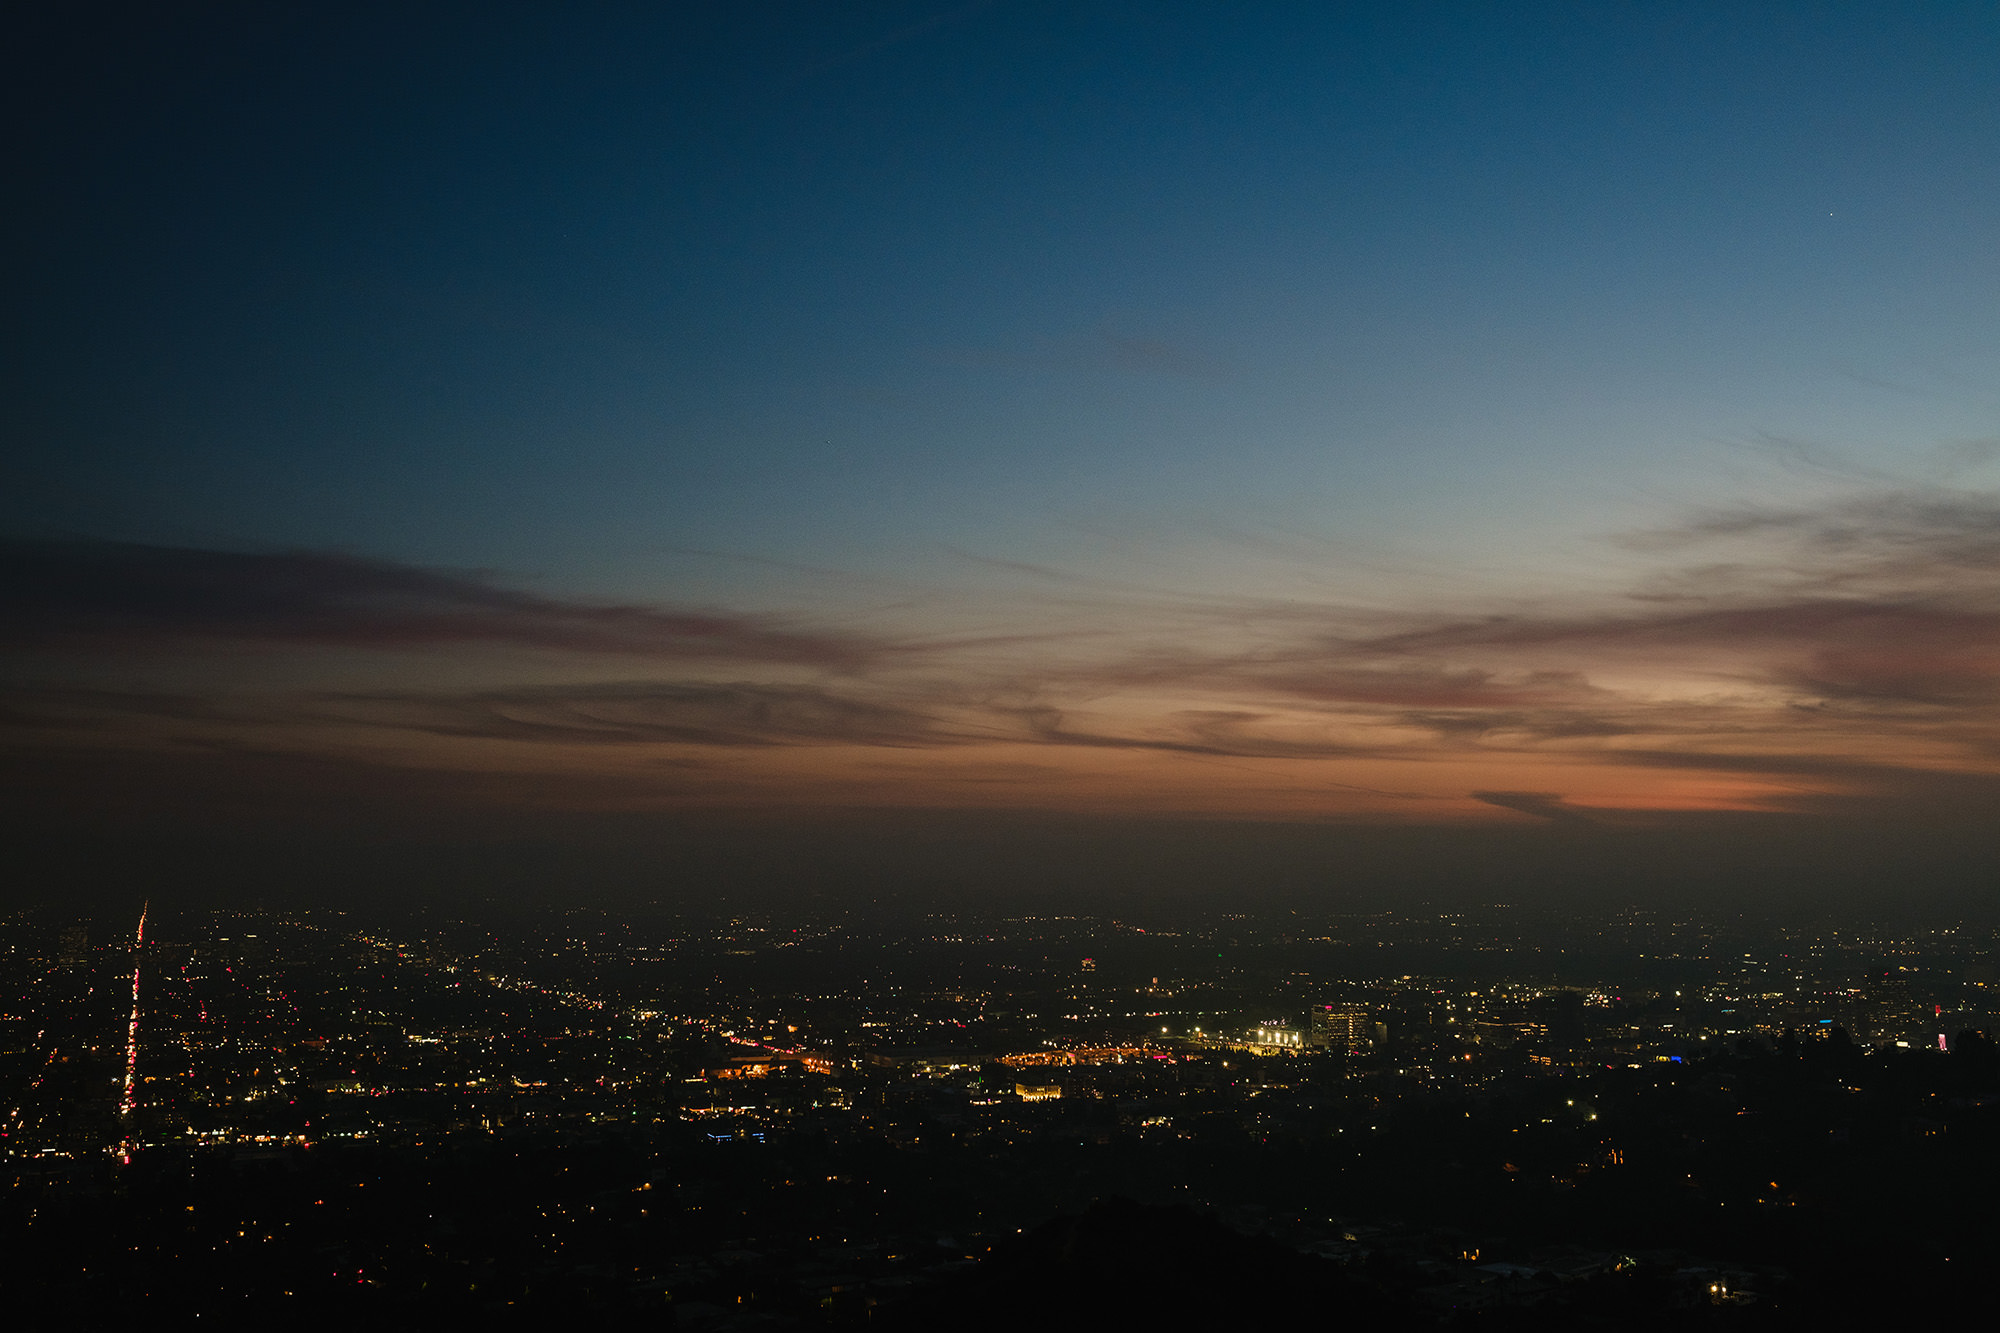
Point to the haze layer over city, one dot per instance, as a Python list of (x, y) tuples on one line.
[(959, 664)]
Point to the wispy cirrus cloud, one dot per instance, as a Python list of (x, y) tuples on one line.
[(1855, 648)]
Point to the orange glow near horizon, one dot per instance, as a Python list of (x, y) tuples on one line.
[(1833, 675)]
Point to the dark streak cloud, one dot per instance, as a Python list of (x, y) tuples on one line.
[(650, 713), (107, 594), (1550, 725), (82, 709), (1217, 734), (1542, 804), (1047, 725)]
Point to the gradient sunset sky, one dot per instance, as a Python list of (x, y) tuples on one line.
[(1358, 412)]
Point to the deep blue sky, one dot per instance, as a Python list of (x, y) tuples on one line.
[(551, 289)]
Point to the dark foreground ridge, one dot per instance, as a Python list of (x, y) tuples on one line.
[(1128, 1265)]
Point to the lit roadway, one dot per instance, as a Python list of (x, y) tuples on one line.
[(129, 1101)]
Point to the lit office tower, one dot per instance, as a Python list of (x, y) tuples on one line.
[(1890, 1007), (1338, 1027)]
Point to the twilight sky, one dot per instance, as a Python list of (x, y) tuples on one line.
[(1360, 412)]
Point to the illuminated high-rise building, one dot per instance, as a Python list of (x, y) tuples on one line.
[(1339, 1027)]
